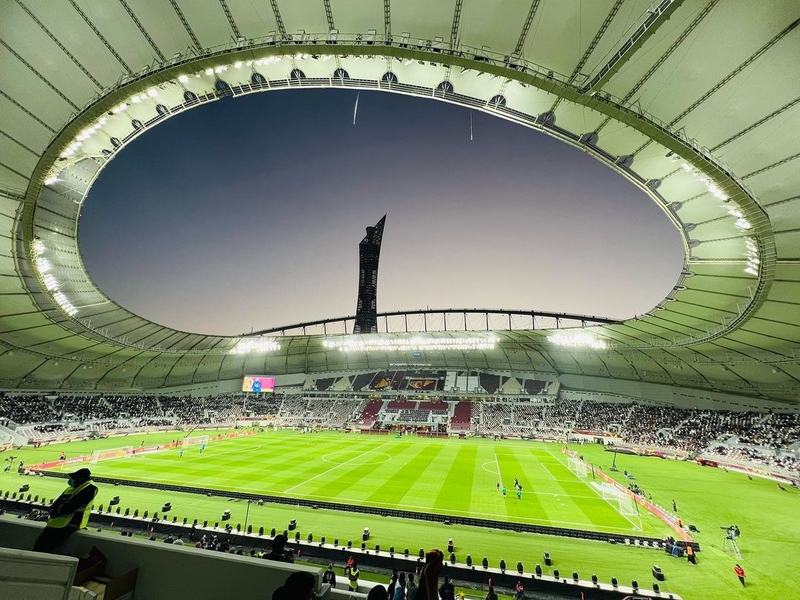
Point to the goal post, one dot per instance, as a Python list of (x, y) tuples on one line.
[(577, 467), (194, 440), (623, 502), (99, 455)]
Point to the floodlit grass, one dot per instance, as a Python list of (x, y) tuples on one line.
[(459, 477)]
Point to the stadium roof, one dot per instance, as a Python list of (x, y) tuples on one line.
[(695, 101)]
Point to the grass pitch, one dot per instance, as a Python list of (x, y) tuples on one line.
[(459, 477), (453, 476)]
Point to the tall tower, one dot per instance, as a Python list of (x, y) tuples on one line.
[(369, 252)]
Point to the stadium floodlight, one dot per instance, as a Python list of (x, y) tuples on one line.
[(43, 264), (183, 78), (366, 343), (44, 267), (753, 260), (713, 188), (255, 345), (65, 304), (579, 339)]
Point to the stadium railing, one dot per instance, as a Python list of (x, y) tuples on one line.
[(163, 567), (167, 571)]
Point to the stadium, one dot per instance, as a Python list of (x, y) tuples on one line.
[(581, 456)]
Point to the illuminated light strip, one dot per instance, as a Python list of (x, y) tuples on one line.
[(50, 282), (251, 345), (753, 261), (421, 344), (577, 340)]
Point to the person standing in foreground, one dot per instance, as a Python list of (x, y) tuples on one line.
[(329, 576), (447, 591), (429, 580), (739, 573), (69, 512), (353, 574)]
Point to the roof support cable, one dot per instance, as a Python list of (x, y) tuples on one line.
[(143, 30), (101, 37)]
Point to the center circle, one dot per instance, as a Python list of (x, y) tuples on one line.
[(351, 457)]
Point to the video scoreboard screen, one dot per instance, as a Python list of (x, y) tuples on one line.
[(259, 384)]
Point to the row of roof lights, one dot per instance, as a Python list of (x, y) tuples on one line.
[(50, 282), (713, 189), (151, 93), (97, 125), (211, 71), (255, 346), (412, 344), (753, 262), (580, 339)]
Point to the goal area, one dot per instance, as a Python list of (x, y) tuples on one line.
[(623, 502), (577, 467), (195, 440), (99, 455)]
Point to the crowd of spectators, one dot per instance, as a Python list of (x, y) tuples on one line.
[(26, 409), (748, 436)]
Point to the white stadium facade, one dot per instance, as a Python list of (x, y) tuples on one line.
[(697, 102)]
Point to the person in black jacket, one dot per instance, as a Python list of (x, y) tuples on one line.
[(447, 591), (69, 512), (329, 576), (278, 551)]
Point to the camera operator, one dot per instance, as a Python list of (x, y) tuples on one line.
[(279, 551)]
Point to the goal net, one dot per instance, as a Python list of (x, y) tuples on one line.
[(577, 467), (195, 440), (99, 455), (618, 499)]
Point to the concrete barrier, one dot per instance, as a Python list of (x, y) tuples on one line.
[(165, 571)]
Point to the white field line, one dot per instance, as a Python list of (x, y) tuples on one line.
[(499, 474), (347, 462), (636, 527), (467, 513), (549, 472)]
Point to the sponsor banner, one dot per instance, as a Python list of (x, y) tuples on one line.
[(764, 474), (60, 463), (422, 384), (382, 384), (154, 448)]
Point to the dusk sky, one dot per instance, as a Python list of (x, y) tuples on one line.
[(247, 214)]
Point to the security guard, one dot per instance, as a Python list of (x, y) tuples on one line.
[(353, 574), (69, 512)]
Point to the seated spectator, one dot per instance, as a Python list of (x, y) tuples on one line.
[(278, 551), (298, 586), (378, 593)]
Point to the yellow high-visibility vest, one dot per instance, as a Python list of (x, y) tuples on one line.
[(63, 520), (352, 575)]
